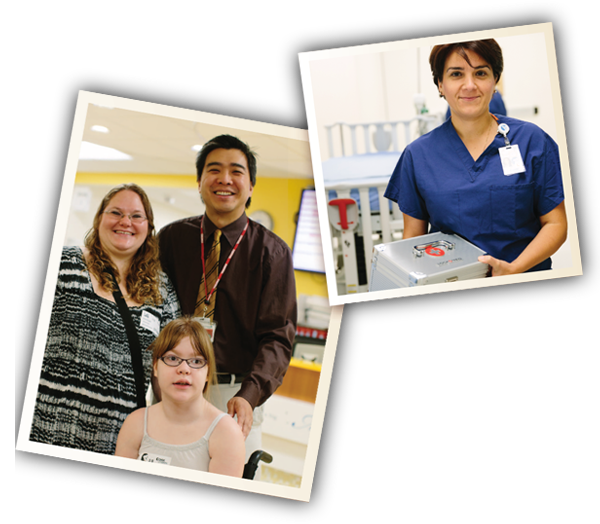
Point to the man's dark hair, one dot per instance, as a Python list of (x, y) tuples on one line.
[(227, 142)]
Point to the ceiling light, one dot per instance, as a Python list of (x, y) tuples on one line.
[(91, 151), (197, 147), (99, 129)]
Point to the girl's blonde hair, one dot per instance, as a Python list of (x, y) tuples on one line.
[(178, 329)]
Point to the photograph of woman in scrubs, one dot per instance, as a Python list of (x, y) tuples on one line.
[(499, 187)]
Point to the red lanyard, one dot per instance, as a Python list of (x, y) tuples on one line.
[(206, 294)]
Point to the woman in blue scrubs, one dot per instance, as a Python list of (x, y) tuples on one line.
[(462, 178)]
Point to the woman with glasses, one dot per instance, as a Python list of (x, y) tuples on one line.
[(184, 429), (95, 371)]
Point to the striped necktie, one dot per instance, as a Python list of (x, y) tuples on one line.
[(212, 272)]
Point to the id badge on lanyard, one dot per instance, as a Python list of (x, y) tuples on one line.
[(510, 156), (207, 323)]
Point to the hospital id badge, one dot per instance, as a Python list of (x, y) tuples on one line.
[(512, 162), (209, 325)]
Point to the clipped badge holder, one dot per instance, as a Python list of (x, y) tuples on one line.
[(510, 156), (209, 325)]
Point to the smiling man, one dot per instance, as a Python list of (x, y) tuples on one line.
[(248, 299), (225, 185)]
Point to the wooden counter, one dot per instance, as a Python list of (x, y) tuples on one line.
[(301, 381)]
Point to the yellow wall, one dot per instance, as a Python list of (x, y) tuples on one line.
[(280, 197), (136, 178)]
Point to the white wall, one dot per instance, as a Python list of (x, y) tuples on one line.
[(375, 86)]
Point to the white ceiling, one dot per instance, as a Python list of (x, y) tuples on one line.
[(162, 145)]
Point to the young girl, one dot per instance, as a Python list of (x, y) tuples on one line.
[(184, 429)]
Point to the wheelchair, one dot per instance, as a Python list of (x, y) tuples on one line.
[(253, 462)]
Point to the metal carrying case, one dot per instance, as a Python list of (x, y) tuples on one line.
[(426, 259)]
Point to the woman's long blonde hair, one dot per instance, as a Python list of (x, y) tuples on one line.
[(142, 282)]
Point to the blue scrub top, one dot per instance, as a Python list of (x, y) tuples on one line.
[(437, 180)]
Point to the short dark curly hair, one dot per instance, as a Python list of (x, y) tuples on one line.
[(487, 49)]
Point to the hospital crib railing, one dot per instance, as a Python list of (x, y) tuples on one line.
[(353, 242), (378, 136), (360, 216)]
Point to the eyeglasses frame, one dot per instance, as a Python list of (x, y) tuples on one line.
[(115, 212), (182, 360)]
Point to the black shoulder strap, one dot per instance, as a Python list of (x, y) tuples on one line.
[(134, 343)]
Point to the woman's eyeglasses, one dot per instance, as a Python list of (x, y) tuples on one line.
[(135, 218)]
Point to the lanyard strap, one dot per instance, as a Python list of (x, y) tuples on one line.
[(206, 293), (134, 342)]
